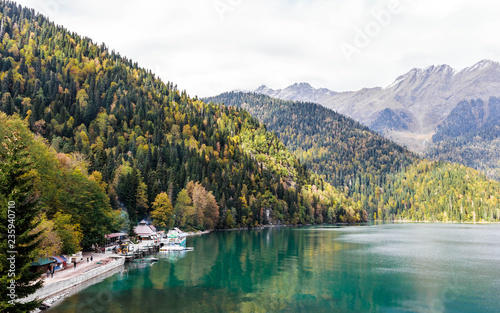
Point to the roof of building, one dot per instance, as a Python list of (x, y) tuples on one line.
[(115, 235), (59, 258), (42, 262), (144, 230)]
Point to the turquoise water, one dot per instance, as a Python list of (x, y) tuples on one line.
[(377, 268)]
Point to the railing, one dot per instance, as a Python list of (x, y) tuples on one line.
[(63, 285)]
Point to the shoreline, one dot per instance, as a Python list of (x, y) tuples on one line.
[(75, 284), (55, 299), (53, 293), (435, 222)]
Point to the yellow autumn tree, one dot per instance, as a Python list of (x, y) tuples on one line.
[(163, 211)]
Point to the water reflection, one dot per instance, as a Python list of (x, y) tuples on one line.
[(172, 256), (384, 268)]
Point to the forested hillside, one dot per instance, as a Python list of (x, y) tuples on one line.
[(75, 209), (389, 181), (120, 145), (440, 191), (143, 137), (470, 135), (348, 154)]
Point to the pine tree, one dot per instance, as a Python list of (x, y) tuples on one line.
[(18, 207)]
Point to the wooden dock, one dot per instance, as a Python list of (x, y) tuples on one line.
[(139, 251)]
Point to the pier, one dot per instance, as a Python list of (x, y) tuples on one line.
[(140, 250)]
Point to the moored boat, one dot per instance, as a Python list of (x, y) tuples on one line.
[(175, 240)]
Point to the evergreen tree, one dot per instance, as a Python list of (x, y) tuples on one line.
[(18, 214)]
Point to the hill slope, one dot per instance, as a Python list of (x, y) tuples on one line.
[(470, 135), (220, 167), (412, 110), (389, 181), (439, 191), (347, 153), (146, 137), (422, 98)]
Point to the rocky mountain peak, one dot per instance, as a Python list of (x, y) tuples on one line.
[(415, 103)]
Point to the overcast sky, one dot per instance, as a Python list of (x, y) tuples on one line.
[(211, 46)]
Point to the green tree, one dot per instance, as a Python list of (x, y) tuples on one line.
[(69, 232), (184, 210), (18, 207), (50, 242)]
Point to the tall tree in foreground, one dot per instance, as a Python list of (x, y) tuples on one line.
[(18, 214)]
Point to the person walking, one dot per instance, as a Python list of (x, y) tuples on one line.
[(52, 272), (74, 264), (48, 273), (87, 260), (91, 258)]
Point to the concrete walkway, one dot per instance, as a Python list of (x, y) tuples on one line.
[(82, 266)]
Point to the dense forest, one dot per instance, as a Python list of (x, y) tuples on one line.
[(345, 152), (116, 144), (440, 191), (115, 132), (74, 207), (389, 181), (91, 143), (470, 135)]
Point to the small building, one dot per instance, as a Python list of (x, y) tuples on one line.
[(42, 265), (145, 231), (76, 257), (115, 238), (60, 262)]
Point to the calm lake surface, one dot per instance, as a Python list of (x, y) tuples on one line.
[(376, 268)]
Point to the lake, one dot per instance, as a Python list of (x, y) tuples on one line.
[(367, 268)]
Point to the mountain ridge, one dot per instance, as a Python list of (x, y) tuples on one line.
[(409, 110), (387, 179)]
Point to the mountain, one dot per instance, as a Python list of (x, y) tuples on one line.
[(344, 151), (416, 108), (143, 137), (387, 179), (470, 118), (410, 109), (128, 138), (298, 92), (470, 135)]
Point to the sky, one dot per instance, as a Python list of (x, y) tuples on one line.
[(211, 46)]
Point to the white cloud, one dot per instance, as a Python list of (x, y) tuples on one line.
[(283, 41)]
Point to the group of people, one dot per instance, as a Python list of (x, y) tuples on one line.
[(91, 259), (50, 272), (51, 269)]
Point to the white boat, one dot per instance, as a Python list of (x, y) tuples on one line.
[(174, 241)]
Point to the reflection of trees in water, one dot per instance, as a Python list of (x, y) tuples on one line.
[(289, 270), (172, 256), (270, 270)]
